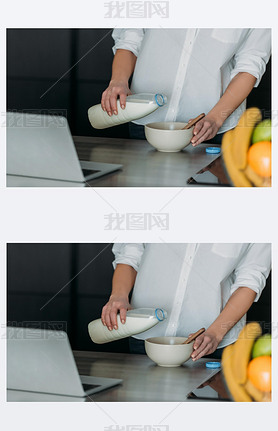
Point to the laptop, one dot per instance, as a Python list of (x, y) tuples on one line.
[(41, 146), (40, 360)]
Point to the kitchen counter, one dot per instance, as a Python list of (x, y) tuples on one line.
[(143, 166), (142, 380)]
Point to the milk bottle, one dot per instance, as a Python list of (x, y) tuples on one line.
[(137, 321), (137, 106)]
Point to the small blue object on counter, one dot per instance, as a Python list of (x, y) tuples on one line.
[(213, 150), (213, 364)]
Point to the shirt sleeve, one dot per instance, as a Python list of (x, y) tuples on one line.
[(253, 269), (129, 39), (129, 254), (253, 54)]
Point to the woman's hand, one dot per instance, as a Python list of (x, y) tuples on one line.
[(205, 344), (205, 129), (236, 92), (110, 95), (110, 310)]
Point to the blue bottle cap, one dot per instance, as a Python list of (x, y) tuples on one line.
[(159, 314), (213, 150), (160, 100), (213, 364)]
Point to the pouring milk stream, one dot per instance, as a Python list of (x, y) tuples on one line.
[(137, 321), (137, 106)]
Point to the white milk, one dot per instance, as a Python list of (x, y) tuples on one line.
[(137, 106), (137, 321)]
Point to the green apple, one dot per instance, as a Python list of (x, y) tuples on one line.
[(262, 346), (262, 132)]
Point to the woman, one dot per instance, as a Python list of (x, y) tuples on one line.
[(199, 285), (199, 70)]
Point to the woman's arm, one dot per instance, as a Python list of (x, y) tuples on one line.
[(236, 92), (238, 304), (122, 283), (122, 68)]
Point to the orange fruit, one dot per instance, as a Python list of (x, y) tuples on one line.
[(259, 373), (259, 158)]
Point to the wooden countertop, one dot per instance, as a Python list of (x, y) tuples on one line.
[(142, 379), (143, 166)]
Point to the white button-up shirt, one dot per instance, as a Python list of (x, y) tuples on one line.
[(193, 282), (193, 67)]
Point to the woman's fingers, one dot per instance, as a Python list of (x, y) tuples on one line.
[(199, 347), (123, 96), (107, 320), (123, 315), (110, 312), (103, 315), (116, 90), (113, 318), (102, 102), (207, 135), (113, 103), (199, 130), (197, 343), (106, 316), (206, 351), (205, 129), (107, 104), (203, 345), (198, 127)]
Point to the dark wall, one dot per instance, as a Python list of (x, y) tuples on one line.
[(37, 272), (38, 59), (68, 284), (261, 95), (75, 63), (261, 310)]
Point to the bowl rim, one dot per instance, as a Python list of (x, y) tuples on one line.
[(148, 340), (150, 126)]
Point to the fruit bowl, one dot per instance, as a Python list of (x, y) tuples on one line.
[(246, 365), (246, 151)]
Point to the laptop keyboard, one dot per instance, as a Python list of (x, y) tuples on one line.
[(87, 387), (87, 172)]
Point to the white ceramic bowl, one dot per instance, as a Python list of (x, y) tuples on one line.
[(167, 136), (168, 351)]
